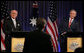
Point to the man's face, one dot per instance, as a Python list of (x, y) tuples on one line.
[(72, 14), (14, 14)]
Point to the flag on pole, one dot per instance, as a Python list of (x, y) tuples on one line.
[(4, 14), (2, 38), (34, 15), (51, 27)]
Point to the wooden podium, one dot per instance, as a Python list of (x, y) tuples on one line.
[(73, 41), (17, 41)]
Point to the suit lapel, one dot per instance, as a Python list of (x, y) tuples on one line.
[(12, 24), (67, 21), (73, 23), (17, 23)]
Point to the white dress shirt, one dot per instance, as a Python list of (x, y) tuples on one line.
[(70, 19), (14, 22)]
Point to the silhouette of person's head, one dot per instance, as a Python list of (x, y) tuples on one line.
[(78, 50), (40, 24)]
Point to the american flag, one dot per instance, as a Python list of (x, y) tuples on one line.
[(51, 27), (4, 14)]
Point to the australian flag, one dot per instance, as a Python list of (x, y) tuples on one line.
[(34, 15), (51, 27)]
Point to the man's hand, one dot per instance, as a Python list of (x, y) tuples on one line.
[(63, 33)]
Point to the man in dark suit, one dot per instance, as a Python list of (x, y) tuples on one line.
[(70, 24), (38, 41), (10, 25)]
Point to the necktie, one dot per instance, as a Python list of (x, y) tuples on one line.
[(70, 23)]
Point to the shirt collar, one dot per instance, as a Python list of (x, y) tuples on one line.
[(70, 18), (12, 18)]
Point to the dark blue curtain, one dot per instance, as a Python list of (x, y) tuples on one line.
[(24, 9), (65, 6)]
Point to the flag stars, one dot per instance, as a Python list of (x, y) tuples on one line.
[(3, 13), (2, 16), (2, 6), (3, 3), (4, 10), (33, 21), (6, 14), (51, 10), (1, 9)]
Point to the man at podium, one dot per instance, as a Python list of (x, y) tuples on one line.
[(38, 41), (69, 24), (10, 25)]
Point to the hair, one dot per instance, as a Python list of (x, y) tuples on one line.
[(79, 50), (13, 9), (73, 10), (41, 22)]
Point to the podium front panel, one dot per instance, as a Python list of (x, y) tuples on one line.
[(73, 43), (17, 44)]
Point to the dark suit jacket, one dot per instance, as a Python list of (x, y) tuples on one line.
[(63, 27), (75, 26), (38, 41), (8, 27)]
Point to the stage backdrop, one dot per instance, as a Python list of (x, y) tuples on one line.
[(63, 7), (29, 9)]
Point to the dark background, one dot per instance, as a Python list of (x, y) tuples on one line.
[(24, 9)]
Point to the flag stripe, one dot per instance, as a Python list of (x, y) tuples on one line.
[(52, 25), (53, 34), (49, 31), (2, 46), (3, 35), (2, 42), (55, 27), (53, 43), (2, 38), (54, 39), (2, 30), (53, 31)]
